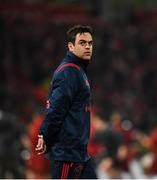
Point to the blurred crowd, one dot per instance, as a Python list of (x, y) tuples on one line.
[(120, 151), (123, 77)]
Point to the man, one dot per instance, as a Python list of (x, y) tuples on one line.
[(65, 130)]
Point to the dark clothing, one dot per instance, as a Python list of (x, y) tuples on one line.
[(67, 123), (70, 170), (106, 137)]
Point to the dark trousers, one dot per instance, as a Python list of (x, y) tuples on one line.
[(73, 170)]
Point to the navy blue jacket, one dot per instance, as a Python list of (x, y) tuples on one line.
[(66, 127)]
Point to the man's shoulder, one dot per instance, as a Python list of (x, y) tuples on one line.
[(67, 67), (67, 70), (67, 73)]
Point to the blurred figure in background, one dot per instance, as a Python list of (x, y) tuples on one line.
[(13, 148)]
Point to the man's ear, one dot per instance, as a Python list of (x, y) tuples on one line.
[(70, 46)]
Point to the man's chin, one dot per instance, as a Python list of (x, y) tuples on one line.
[(87, 58)]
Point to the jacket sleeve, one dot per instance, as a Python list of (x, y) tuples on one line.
[(64, 88)]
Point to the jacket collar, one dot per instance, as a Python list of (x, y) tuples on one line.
[(72, 58)]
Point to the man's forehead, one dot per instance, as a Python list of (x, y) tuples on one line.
[(84, 36)]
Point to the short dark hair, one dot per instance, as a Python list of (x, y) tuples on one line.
[(73, 31)]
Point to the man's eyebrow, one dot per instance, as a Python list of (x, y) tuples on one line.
[(82, 40)]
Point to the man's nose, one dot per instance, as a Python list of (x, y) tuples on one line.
[(87, 46)]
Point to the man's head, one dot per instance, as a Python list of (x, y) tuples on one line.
[(80, 41)]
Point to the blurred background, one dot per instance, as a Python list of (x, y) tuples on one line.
[(123, 76)]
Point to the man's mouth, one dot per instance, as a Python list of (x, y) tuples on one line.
[(87, 53)]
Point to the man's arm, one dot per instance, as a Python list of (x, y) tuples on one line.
[(65, 87)]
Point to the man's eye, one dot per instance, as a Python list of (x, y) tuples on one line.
[(82, 43), (90, 43)]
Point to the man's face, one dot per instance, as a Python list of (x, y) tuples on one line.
[(83, 46)]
